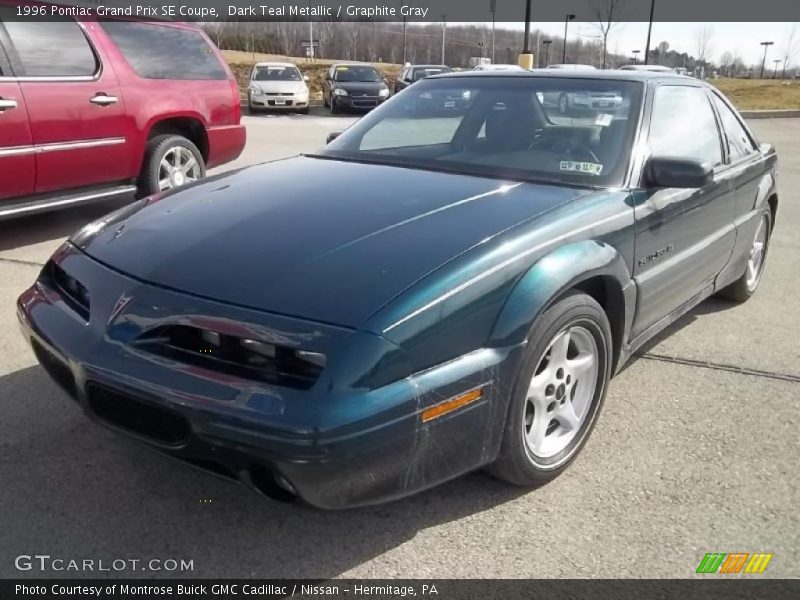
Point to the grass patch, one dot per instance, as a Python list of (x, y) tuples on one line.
[(754, 94)]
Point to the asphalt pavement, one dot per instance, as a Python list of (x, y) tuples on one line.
[(696, 451)]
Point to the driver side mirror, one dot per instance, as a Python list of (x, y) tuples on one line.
[(661, 172), (332, 136)]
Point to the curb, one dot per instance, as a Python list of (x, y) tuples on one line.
[(786, 113)]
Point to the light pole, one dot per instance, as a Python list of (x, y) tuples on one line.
[(527, 37), (649, 30), (567, 19), (547, 51), (775, 72), (493, 9), (444, 29), (636, 56), (764, 60)]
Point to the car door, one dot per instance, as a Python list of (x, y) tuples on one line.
[(684, 237), (326, 86), (77, 117), (17, 163), (749, 172)]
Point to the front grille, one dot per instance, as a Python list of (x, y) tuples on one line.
[(285, 103), (58, 371), (232, 355), (138, 416), (280, 94), (72, 292)]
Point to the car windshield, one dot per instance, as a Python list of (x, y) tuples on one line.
[(429, 71), (557, 129), (353, 73), (277, 73)]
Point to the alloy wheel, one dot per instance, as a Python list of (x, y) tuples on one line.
[(178, 167), (561, 391), (755, 263)]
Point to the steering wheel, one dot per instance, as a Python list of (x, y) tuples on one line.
[(570, 148)]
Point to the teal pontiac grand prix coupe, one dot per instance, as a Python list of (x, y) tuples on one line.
[(448, 285)]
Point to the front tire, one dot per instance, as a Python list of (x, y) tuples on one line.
[(170, 161), (557, 393), (743, 288), (335, 110)]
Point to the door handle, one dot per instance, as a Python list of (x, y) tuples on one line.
[(7, 104), (103, 100)]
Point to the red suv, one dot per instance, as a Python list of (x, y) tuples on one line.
[(91, 109)]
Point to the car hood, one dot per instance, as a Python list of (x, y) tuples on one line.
[(321, 239), (280, 87)]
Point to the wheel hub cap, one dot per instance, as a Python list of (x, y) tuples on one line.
[(756, 259), (177, 168)]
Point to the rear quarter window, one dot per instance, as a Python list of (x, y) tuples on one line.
[(161, 52)]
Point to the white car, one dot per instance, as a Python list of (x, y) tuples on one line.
[(498, 68), (277, 86), (573, 67), (652, 68)]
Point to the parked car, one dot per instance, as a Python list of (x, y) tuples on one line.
[(94, 109), (277, 86), (490, 67), (353, 86), (653, 68), (583, 100), (414, 73), (572, 67), (442, 294)]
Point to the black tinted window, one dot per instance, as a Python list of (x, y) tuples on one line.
[(739, 142), (683, 125), (159, 52), (52, 48)]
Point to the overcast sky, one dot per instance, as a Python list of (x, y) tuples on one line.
[(743, 38)]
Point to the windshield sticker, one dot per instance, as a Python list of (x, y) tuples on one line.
[(581, 167), (604, 119)]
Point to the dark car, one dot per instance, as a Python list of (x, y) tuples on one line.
[(94, 109), (353, 86), (414, 73), (446, 293)]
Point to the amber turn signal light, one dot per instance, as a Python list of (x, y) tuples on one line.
[(436, 411)]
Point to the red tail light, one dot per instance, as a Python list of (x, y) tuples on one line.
[(237, 103)]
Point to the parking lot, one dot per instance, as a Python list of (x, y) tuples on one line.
[(696, 451)]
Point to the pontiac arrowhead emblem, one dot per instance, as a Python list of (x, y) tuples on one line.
[(120, 305)]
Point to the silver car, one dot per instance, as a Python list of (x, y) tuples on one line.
[(277, 86)]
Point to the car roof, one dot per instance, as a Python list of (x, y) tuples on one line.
[(428, 67), (608, 74)]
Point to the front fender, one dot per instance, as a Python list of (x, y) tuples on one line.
[(568, 266)]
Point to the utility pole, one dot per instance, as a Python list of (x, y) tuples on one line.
[(764, 60), (775, 72), (649, 31), (311, 39), (444, 29), (567, 19)]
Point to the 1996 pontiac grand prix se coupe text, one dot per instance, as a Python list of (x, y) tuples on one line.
[(447, 285)]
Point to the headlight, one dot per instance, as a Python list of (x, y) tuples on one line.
[(255, 90), (339, 92), (384, 92)]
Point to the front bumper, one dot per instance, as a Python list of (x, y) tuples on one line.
[(273, 102), (335, 445), (359, 102)]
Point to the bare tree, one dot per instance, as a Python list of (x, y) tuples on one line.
[(607, 13), (725, 62), (663, 48), (789, 48), (703, 45)]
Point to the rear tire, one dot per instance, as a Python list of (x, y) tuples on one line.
[(161, 153), (743, 288), (557, 393)]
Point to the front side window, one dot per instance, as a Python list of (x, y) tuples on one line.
[(683, 125), (502, 126), (277, 73), (52, 48), (349, 73), (161, 52), (739, 142)]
